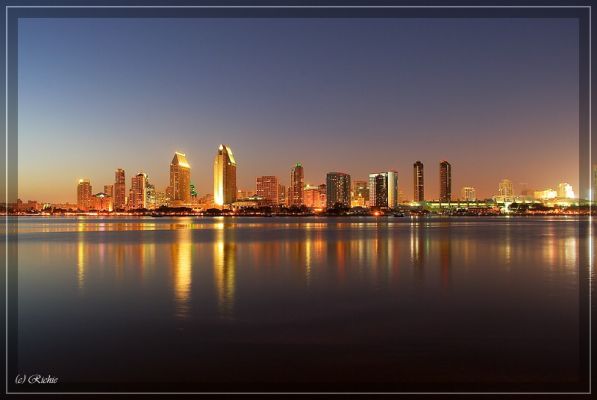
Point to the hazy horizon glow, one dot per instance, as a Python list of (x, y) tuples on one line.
[(497, 98)]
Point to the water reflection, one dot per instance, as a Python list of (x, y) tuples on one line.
[(224, 268), (181, 251)]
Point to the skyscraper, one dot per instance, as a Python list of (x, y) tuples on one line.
[(267, 187), (445, 182), (138, 197), (109, 190), (419, 183), (383, 189), (338, 189), (314, 196), (468, 194), (119, 190), (360, 194), (297, 183), (84, 196), (180, 180), (224, 176)]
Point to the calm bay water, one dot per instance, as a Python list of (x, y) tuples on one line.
[(299, 303)]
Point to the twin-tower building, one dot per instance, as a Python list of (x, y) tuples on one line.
[(224, 178)]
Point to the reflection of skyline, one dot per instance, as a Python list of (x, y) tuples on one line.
[(182, 259), (224, 266)]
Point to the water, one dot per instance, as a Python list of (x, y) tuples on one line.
[(286, 304)]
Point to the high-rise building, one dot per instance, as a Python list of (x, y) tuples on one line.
[(268, 188), (506, 189), (119, 190), (150, 195), (338, 189), (102, 202), (445, 182), (224, 176), (109, 190), (565, 191), (194, 193), (383, 189), (179, 190), (468, 194), (84, 196), (314, 196), (282, 194), (360, 194), (297, 183), (418, 181), (138, 192)]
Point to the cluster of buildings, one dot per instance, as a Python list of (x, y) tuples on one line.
[(380, 191)]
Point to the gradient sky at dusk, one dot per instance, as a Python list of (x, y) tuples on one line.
[(495, 97)]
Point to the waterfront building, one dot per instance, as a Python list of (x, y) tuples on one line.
[(244, 194), (565, 191), (418, 182), (84, 196), (138, 192), (337, 189), (119, 190), (282, 198), (547, 194), (150, 195), (315, 196), (224, 177), (297, 183), (383, 189), (360, 194), (102, 202), (268, 188), (109, 190), (193, 193), (468, 193), (445, 182), (179, 190), (161, 199)]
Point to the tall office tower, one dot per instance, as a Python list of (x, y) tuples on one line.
[(419, 183), (282, 194), (224, 176), (150, 195), (119, 190), (337, 189), (360, 194), (84, 196), (297, 183), (468, 194), (109, 190), (445, 182), (314, 196), (267, 187), (565, 191), (505, 188), (392, 178), (138, 198), (180, 180), (383, 189)]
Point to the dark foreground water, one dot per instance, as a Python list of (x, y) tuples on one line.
[(303, 304)]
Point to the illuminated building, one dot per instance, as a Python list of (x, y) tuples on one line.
[(150, 195), (505, 188), (84, 196), (468, 194), (268, 188), (565, 191), (338, 189), (282, 194), (383, 189), (297, 182), (418, 181), (546, 194), (224, 176), (109, 190), (138, 192), (102, 202), (119, 190), (314, 196), (180, 180), (445, 182), (193, 193), (161, 199), (244, 194), (360, 194)]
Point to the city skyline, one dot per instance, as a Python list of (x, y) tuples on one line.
[(334, 94)]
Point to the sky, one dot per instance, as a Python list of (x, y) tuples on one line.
[(497, 98)]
